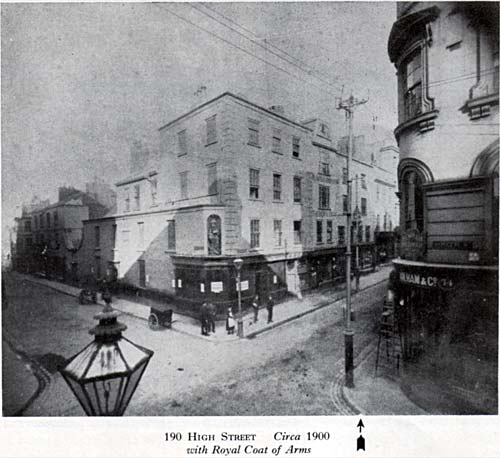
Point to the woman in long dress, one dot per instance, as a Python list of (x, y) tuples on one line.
[(230, 323)]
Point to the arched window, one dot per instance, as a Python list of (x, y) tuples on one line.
[(413, 205), (214, 235)]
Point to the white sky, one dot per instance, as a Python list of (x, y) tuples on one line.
[(81, 82)]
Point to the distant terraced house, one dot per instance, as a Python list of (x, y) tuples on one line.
[(50, 235)]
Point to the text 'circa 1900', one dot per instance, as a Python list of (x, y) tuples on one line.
[(248, 444)]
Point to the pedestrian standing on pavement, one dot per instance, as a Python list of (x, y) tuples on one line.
[(204, 319), (106, 291), (270, 306), (5, 302), (212, 313), (230, 323), (255, 308)]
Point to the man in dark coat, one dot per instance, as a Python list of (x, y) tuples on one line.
[(255, 308), (106, 291), (212, 313), (270, 306), (204, 319), (5, 301)]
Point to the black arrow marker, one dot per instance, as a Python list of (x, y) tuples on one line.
[(360, 425), (361, 443)]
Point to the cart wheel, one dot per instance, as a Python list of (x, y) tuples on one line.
[(154, 322)]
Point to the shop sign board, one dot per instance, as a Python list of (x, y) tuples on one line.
[(430, 281), (244, 285), (216, 286), (452, 245)]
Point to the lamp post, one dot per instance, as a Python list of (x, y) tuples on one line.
[(105, 374), (238, 262), (357, 220), (348, 106)]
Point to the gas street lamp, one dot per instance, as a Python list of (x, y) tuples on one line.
[(238, 262), (105, 374)]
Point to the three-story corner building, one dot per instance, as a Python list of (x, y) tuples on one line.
[(446, 55), (233, 180)]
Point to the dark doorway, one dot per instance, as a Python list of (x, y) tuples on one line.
[(142, 273), (261, 284), (74, 271)]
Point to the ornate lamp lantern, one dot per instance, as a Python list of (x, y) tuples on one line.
[(105, 374)]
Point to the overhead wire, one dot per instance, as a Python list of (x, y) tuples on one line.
[(459, 78), (473, 134), (472, 123), (230, 43), (301, 63)]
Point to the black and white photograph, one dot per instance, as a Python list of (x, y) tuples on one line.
[(215, 211)]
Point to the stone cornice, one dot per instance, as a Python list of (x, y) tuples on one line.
[(416, 122)]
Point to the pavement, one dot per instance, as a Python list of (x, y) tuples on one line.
[(377, 391), (283, 312), (15, 367), (373, 393)]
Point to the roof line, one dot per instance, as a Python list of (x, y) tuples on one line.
[(241, 99), (131, 179)]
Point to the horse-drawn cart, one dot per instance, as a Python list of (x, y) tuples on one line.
[(89, 289), (160, 316)]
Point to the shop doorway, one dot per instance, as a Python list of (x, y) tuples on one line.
[(142, 273), (261, 284)]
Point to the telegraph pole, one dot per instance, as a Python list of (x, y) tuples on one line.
[(356, 235), (348, 106)]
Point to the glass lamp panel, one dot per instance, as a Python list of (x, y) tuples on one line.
[(107, 361), (80, 394), (131, 385), (95, 394), (119, 391), (79, 363), (105, 394), (133, 354)]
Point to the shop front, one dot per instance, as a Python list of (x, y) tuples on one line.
[(448, 321), (198, 280), (386, 246)]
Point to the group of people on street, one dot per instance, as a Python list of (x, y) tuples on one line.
[(208, 315), (269, 308)]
